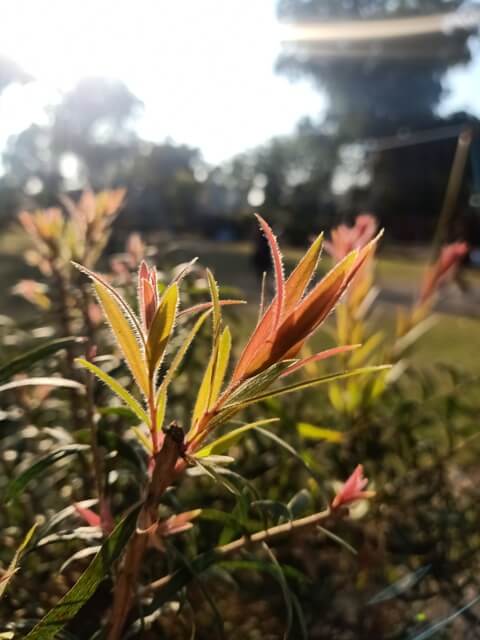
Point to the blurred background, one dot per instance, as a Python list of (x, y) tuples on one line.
[(309, 112), (207, 110)]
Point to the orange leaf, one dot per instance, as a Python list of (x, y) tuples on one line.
[(294, 290), (279, 299), (301, 275)]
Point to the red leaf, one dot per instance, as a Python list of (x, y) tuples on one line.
[(89, 516), (323, 355), (279, 299)]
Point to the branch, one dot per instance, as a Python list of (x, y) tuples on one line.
[(293, 526)]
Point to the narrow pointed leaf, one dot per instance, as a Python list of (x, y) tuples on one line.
[(162, 327), (117, 389), (71, 603), (51, 381), (215, 303), (306, 384), (117, 297), (207, 306), (203, 396), (279, 301), (366, 350), (223, 444), (161, 408), (13, 566), (223, 355), (16, 486), (177, 360), (317, 357), (311, 432), (301, 275), (294, 290), (27, 360), (432, 630), (125, 336), (253, 386), (313, 309), (405, 583)]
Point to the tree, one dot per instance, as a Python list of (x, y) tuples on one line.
[(383, 86)]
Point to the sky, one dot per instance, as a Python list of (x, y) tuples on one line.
[(204, 69)]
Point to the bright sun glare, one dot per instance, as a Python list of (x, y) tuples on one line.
[(203, 68)]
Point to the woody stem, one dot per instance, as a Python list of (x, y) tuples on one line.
[(128, 576)]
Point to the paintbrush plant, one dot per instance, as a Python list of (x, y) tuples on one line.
[(271, 355)]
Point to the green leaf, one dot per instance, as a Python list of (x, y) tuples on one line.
[(223, 355), (161, 408), (128, 416), (281, 443), (400, 586), (362, 354), (215, 515), (27, 360), (87, 584), (177, 360), (16, 486), (223, 444), (264, 567), (342, 375), (301, 503), (311, 432), (117, 389), (203, 396), (162, 327), (47, 382), (215, 304), (280, 576), (258, 383), (13, 566), (124, 335)]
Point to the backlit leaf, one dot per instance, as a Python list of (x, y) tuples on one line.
[(203, 396), (13, 566), (279, 300), (125, 336), (223, 355), (215, 303), (161, 408), (317, 357), (177, 360), (306, 384), (117, 388), (162, 327)]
